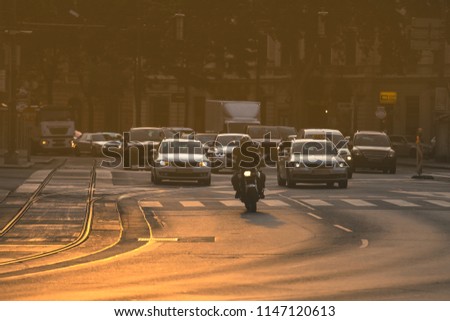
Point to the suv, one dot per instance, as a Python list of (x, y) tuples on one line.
[(371, 149), (336, 137)]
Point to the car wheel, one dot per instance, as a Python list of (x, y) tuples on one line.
[(76, 151), (393, 170), (205, 182), (280, 180), (289, 181), (385, 171), (343, 184), (330, 184), (349, 173), (155, 179)]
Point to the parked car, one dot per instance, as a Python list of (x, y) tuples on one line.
[(178, 132), (221, 153), (181, 160), (334, 136), (405, 145), (93, 143), (371, 149), (311, 161)]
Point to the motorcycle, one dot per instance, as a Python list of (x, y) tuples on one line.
[(249, 193)]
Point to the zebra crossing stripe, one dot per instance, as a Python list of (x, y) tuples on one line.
[(401, 203), (439, 203), (357, 202), (231, 203), (192, 204), (150, 204), (316, 202), (274, 203)]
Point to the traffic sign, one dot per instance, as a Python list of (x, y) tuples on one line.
[(388, 97), (381, 112)]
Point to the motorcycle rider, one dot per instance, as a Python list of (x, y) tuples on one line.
[(247, 156)]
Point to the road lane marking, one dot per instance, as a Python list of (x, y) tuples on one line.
[(192, 204), (314, 215), (364, 243), (357, 202), (274, 203), (231, 203), (158, 239), (343, 228), (150, 204), (439, 203), (401, 203), (316, 202)]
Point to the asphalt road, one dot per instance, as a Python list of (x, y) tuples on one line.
[(385, 237)]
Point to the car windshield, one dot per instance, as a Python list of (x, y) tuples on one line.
[(314, 148), (337, 138), (181, 147), (260, 132), (102, 137), (372, 140), (206, 138), (145, 134), (285, 131), (227, 139)]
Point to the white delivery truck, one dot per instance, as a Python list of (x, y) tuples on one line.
[(230, 116)]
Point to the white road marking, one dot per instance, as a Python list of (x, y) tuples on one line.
[(316, 202), (439, 203), (274, 203), (364, 243), (150, 204), (343, 228), (231, 203), (357, 202), (314, 215), (401, 203), (27, 188), (192, 204)]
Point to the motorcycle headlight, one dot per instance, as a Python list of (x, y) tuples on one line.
[(247, 173)]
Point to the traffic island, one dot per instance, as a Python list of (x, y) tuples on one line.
[(422, 177)]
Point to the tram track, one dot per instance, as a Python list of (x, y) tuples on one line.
[(85, 228)]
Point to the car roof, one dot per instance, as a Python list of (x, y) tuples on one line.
[(370, 132), (232, 134), (321, 130), (306, 140), (183, 140)]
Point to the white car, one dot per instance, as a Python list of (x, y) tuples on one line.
[(181, 160), (311, 161)]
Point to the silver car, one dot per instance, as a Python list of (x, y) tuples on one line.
[(221, 153), (311, 161), (181, 160)]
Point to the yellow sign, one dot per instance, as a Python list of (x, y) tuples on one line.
[(388, 97)]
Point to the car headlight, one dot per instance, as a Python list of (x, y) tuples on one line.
[(203, 164), (348, 157), (44, 142), (339, 165), (356, 152), (391, 153), (294, 164), (163, 163), (247, 173)]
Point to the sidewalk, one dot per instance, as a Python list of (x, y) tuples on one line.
[(427, 163), (24, 160)]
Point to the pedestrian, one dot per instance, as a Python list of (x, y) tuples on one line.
[(419, 151)]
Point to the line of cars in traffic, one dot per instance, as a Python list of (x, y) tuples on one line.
[(307, 156)]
